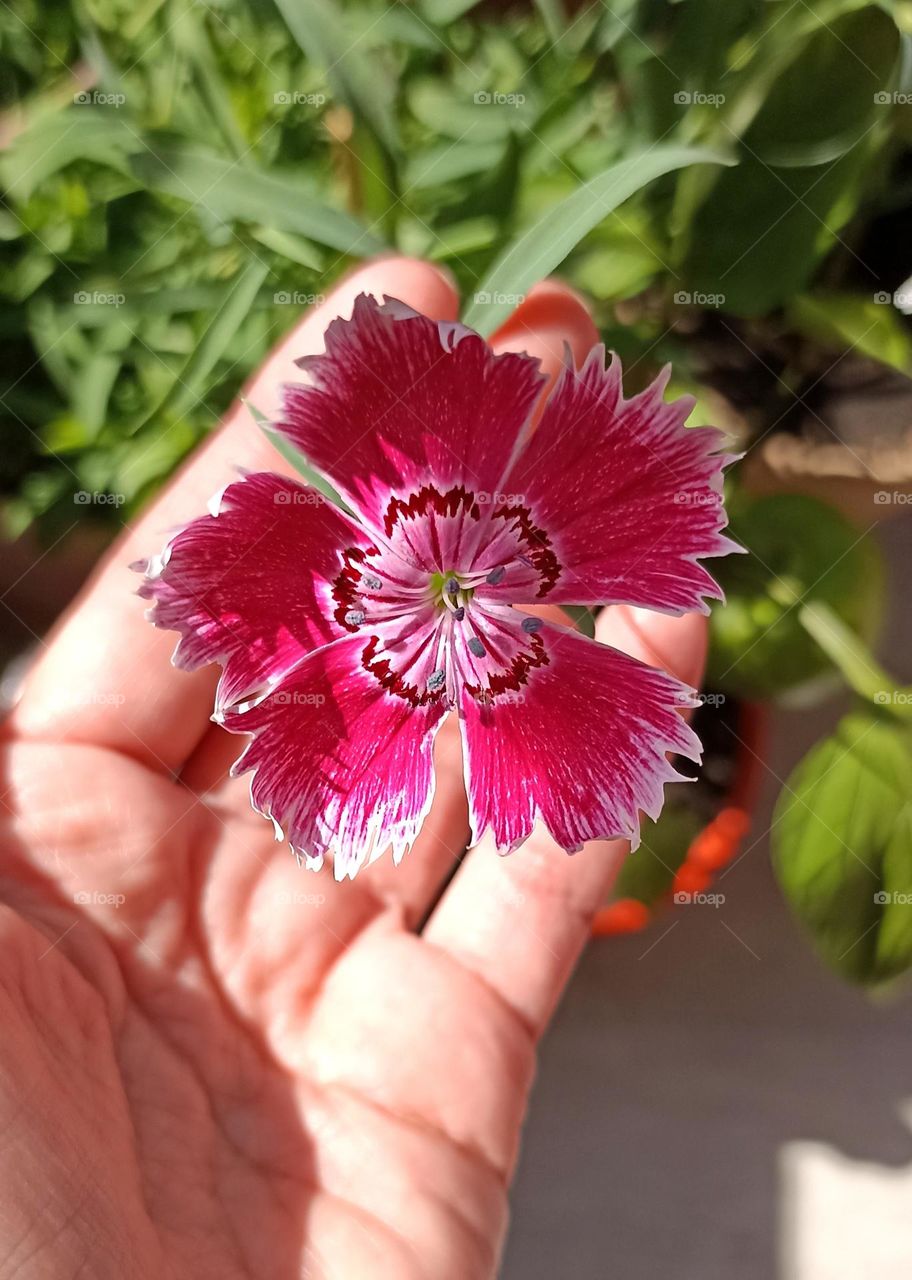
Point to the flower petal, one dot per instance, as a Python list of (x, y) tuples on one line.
[(582, 746), (338, 761), (249, 586), (399, 401), (629, 496)]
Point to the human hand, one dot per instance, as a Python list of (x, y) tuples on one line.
[(214, 1064)]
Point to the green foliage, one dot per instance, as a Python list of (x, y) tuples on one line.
[(800, 550), (648, 874), (162, 150), (842, 844), (181, 180)]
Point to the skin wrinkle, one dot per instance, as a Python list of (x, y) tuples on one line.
[(214, 1113), (91, 995), (381, 908), (512, 1019), (473, 1154)]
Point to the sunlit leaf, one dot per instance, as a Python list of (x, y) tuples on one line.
[(543, 247)]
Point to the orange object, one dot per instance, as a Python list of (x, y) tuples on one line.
[(714, 847), (718, 842), (627, 915), (691, 878)]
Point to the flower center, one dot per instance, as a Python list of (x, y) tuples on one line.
[(433, 597)]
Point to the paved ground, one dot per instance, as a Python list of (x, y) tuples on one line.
[(712, 1104)]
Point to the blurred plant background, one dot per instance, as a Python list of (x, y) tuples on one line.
[(731, 184)]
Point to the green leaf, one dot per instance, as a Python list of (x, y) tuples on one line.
[(232, 192), (842, 848), (649, 872), (53, 142), (440, 12), (801, 551), (544, 246), (317, 27), (808, 137), (297, 460), (450, 162), (473, 116), (847, 322), (288, 246), (853, 658), (188, 386), (825, 100), (555, 20), (583, 618)]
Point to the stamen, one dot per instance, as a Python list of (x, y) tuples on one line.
[(459, 613), (531, 625), (371, 582), (355, 617), (451, 586), (436, 680), (496, 575), (476, 647)]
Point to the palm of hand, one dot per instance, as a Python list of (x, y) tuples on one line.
[(214, 1064), (242, 1080)]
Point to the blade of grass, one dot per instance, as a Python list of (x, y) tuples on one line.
[(545, 245), (187, 386), (231, 192)]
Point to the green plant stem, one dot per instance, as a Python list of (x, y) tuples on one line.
[(849, 653)]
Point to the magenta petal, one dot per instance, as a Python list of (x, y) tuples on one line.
[(630, 497), (399, 401), (249, 585), (582, 748), (338, 762)]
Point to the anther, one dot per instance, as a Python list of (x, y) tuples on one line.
[(372, 582), (476, 647), (531, 625), (496, 576), (354, 617), (459, 613), (451, 586), (436, 680)]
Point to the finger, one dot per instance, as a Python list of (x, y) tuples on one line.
[(105, 677), (550, 318), (521, 921)]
